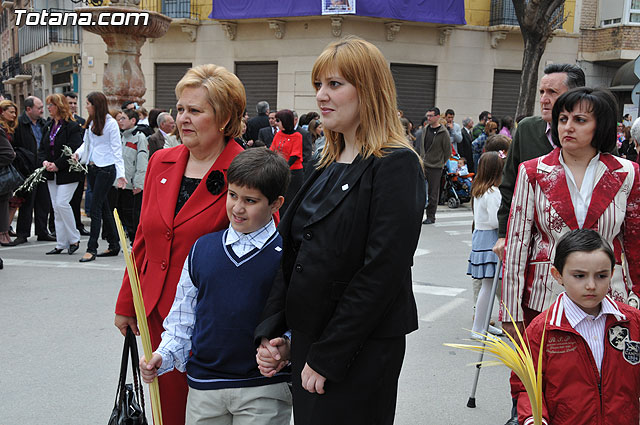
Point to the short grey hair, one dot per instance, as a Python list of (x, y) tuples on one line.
[(466, 121), (262, 107), (635, 130), (162, 117)]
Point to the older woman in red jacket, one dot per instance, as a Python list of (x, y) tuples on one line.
[(184, 198)]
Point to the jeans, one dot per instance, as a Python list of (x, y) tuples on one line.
[(101, 179)]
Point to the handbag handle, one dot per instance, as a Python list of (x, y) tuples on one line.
[(130, 346)]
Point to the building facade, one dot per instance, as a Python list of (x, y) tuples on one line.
[(470, 66)]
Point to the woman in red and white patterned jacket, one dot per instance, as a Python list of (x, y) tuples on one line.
[(578, 185)]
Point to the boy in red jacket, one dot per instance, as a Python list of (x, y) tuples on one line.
[(590, 372)]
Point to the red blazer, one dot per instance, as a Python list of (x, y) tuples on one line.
[(163, 241)]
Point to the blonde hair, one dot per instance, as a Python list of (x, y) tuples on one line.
[(363, 65), (61, 103), (226, 94), (9, 126)]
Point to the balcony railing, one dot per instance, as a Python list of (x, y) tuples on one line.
[(175, 9), (13, 71), (32, 38), (503, 13)]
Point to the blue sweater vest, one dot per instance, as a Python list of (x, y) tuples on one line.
[(232, 292)]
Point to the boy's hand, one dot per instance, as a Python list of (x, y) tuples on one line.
[(272, 355), (312, 381), (149, 370)]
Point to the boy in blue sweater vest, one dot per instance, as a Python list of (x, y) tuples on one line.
[(224, 285)]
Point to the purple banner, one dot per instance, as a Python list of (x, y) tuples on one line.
[(434, 11)]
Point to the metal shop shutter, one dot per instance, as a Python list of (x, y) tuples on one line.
[(260, 81), (506, 89), (167, 77), (416, 87)]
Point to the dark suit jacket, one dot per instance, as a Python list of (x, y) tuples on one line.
[(350, 279), (465, 150), (155, 141), (265, 135), (306, 148), (25, 145), (254, 125), (530, 141), (70, 135)]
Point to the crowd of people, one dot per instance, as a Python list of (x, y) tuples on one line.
[(275, 252)]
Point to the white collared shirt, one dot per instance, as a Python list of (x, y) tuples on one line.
[(589, 327), (242, 243), (581, 198)]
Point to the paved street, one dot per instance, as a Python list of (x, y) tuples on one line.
[(61, 353)]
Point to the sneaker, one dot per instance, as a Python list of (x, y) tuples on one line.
[(495, 331), (429, 220), (477, 336)]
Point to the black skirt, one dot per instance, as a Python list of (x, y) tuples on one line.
[(367, 396)]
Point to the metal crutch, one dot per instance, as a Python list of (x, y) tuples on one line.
[(472, 399)]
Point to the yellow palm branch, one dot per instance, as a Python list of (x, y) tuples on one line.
[(141, 315), (518, 358)]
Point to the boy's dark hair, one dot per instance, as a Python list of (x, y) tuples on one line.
[(601, 103), (449, 112), (70, 94), (262, 169), (483, 115), (581, 240), (131, 113)]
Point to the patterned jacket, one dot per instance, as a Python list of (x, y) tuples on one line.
[(542, 212)]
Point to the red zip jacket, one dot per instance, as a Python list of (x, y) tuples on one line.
[(574, 392)]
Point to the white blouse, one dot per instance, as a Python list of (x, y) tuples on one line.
[(103, 150)]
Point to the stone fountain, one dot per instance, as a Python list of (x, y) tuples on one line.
[(123, 78)]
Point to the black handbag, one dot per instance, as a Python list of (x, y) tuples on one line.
[(10, 179), (129, 405)]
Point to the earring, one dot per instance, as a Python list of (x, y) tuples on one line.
[(221, 129)]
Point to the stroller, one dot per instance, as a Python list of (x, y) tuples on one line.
[(455, 189)]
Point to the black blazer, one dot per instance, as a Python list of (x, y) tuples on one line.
[(465, 150), (265, 135), (307, 147), (70, 134), (350, 280)]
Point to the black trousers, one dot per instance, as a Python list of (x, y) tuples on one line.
[(75, 202), (101, 179), (128, 206), (367, 396), (39, 202)]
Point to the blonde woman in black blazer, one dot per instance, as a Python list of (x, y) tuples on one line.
[(61, 130), (349, 236)]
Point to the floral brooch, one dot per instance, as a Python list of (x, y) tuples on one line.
[(215, 182)]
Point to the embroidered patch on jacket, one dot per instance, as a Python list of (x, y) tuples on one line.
[(560, 344), (617, 336), (631, 352)]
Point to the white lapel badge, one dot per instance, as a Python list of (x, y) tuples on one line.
[(163, 181), (345, 187), (278, 249)]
